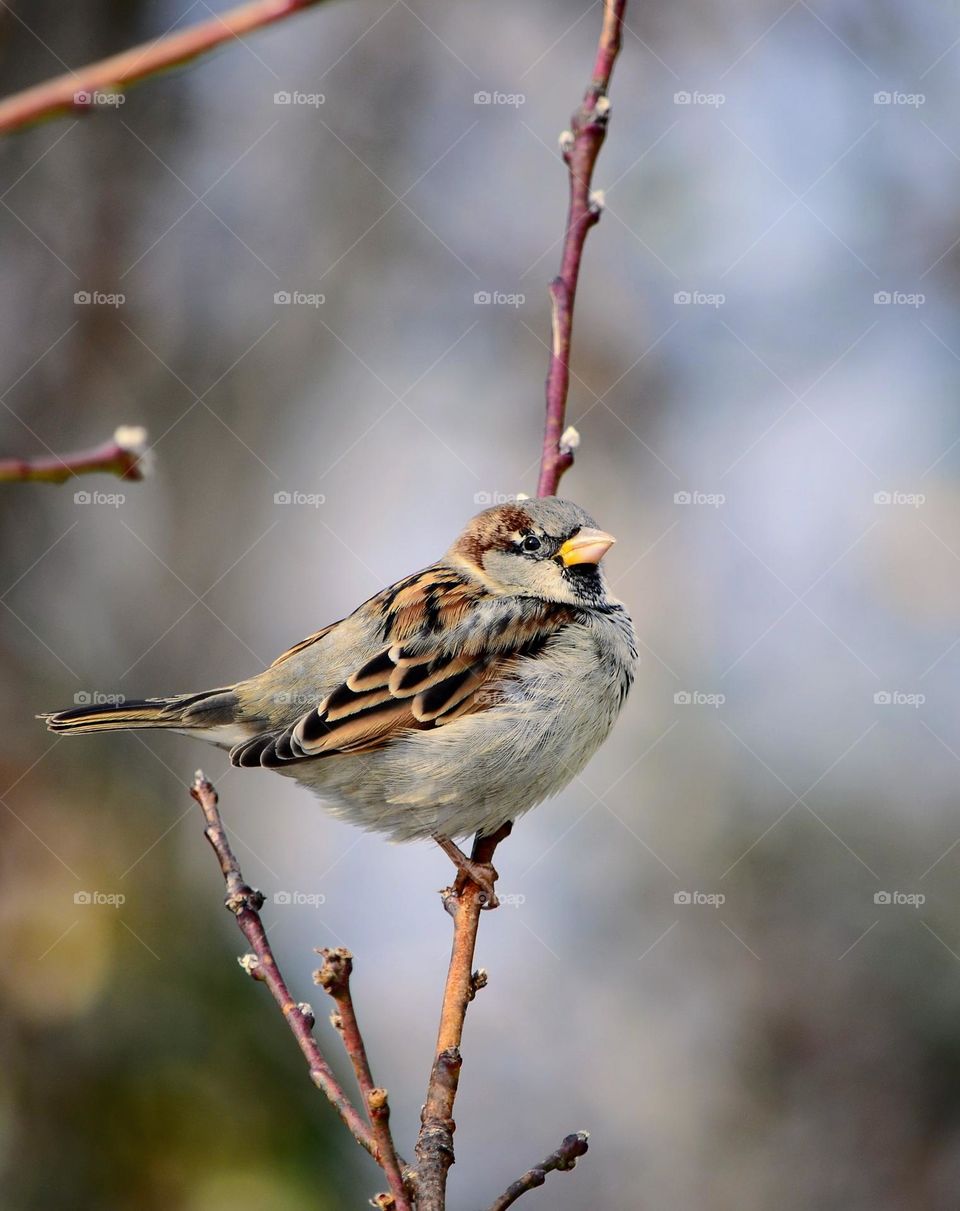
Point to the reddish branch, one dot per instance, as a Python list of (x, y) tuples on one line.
[(126, 454), (581, 146), (245, 903), (334, 978), (564, 1159), (92, 86)]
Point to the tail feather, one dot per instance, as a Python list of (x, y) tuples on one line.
[(211, 709)]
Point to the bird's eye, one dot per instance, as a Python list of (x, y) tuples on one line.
[(531, 543)]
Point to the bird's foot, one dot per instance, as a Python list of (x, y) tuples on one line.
[(482, 874)]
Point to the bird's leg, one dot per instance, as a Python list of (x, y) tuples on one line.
[(483, 874)]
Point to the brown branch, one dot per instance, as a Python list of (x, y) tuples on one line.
[(126, 454), (334, 978), (245, 903), (564, 1159), (464, 901), (581, 146), (94, 86)]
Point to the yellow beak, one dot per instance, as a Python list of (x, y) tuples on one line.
[(588, 546)]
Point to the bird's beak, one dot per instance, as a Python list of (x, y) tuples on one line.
[(586, 546)]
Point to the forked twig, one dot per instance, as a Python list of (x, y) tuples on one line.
[(563, 1159), (245, 903)]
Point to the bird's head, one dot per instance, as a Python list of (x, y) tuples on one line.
[(547, 548)]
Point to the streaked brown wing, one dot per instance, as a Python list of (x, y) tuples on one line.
[(414, 682)]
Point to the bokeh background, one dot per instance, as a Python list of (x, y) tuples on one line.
[(732, 949)]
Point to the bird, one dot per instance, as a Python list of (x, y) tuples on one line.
[(446, 705)]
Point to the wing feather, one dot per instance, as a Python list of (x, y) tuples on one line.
[(432, 668)]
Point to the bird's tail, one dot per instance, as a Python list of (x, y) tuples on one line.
[(211, 709)]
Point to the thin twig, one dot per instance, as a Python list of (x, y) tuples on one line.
[(245, 903), (581, 146), (125, 454), (97, 85), (464, 902), (334, 978), (564, 1159)]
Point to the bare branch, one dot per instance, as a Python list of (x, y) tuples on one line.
[(334, 978), (245, 903), (564, 1159), (90, 87), (126, 454), (580, 147), (464, 901)]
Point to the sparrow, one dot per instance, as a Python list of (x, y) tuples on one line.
[(446, 705)]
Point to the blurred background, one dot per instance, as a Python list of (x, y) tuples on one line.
[(732, 948)]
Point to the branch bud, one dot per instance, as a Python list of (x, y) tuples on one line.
[(569, 440), (251, 965)]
